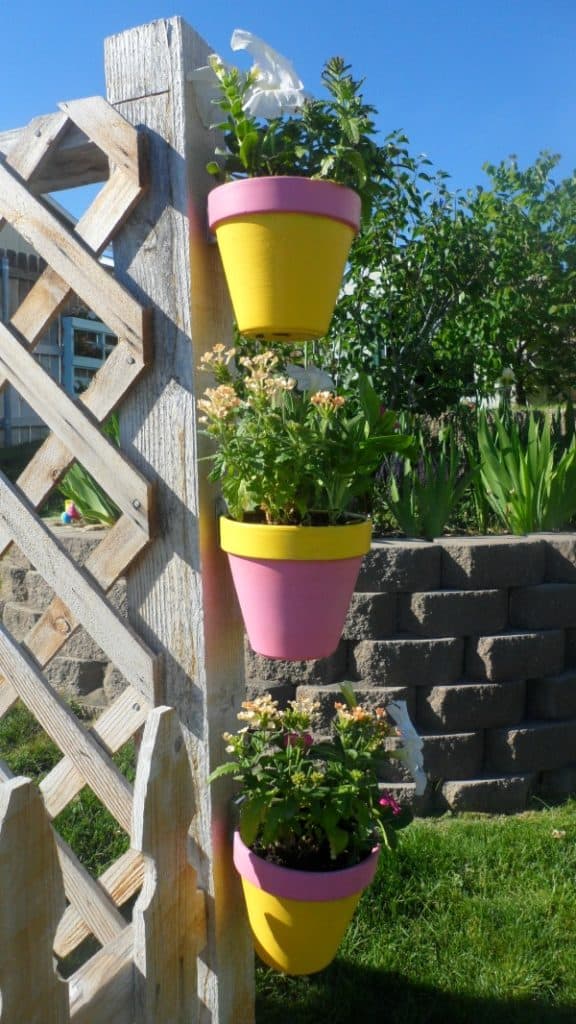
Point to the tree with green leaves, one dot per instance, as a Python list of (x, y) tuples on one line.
[(445, 293)]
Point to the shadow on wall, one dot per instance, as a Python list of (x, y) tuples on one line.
[(344, 994)]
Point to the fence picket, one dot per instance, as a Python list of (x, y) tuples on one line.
[(31, 904)]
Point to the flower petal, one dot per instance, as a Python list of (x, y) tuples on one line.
[(278, 89), (310, 378), (411, 742)]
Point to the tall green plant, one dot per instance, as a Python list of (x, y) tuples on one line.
[(529, 481), (80, 487), (422, 492)]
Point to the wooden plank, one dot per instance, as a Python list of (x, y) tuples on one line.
[(89, 899), (127, 487), (179, 590), (8, 697), (119, 641), (105, 564), (36, 143), (96, 227), (121, 880), (110, 560), (109, 300), (163, 919), (56, 718), (77, 161), (110, 131), (87, 896), (52, 460), (31, 990), (115, 726), (101, 991)]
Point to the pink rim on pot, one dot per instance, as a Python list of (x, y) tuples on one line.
[(312, 886), (284, 194)]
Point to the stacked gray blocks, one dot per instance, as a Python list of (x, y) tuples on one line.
[(478, 635), (81, 671)]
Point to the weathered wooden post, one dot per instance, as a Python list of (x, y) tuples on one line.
[(179, 595)]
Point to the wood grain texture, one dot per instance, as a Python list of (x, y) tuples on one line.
[(110, 208), (32, 902), (110, 131), (71, 260), (87, 603), (115, 726), (179, 591), (101, 992), (165, 939), (76, 161), (121, 880), (60, 723), (88, 898), (100, 456)]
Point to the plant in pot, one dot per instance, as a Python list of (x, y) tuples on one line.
[(291, 461), (298, 174), (312, 820)]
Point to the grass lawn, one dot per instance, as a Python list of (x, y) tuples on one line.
[(473, 920)]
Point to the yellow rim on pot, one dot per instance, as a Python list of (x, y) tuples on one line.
[(295, 543)]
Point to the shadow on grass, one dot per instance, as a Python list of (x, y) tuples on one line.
[(346, 994)]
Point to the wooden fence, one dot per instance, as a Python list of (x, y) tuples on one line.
[(181, 645)]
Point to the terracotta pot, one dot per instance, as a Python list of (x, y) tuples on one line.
[(294, 583), (298, 918), (284, 243)]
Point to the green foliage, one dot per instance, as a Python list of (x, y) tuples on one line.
[(529, 482), (331, 138), (447, 294), (90, 499), (421, 493), (290, 455), (85, 824), (306, 804)]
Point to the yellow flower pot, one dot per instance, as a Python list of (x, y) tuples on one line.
[(298, 918), (284, 243)]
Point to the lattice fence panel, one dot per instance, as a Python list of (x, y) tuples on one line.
[(72, 262)]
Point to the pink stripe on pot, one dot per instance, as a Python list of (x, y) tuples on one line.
[(291, 609), (312, 886), (283, 194)]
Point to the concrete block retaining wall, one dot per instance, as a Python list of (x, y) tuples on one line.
[(478, 635)]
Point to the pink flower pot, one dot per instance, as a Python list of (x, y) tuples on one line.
[(294, 608)]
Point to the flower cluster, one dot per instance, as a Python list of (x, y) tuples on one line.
[(308, 803), (288, 451), (272, 126)]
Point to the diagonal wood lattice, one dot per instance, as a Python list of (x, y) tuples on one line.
[(80, 593)]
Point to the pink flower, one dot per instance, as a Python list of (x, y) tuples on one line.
[(296, 739), (388, 801)]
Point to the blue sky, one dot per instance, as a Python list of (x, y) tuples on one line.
[(468, 82)]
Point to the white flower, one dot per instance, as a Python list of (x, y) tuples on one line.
[(310, 378), (507, 376), (278, 89), (411, 742)]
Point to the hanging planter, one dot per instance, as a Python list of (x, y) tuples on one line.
[(294, 583), (298, 918), (284, 242)]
